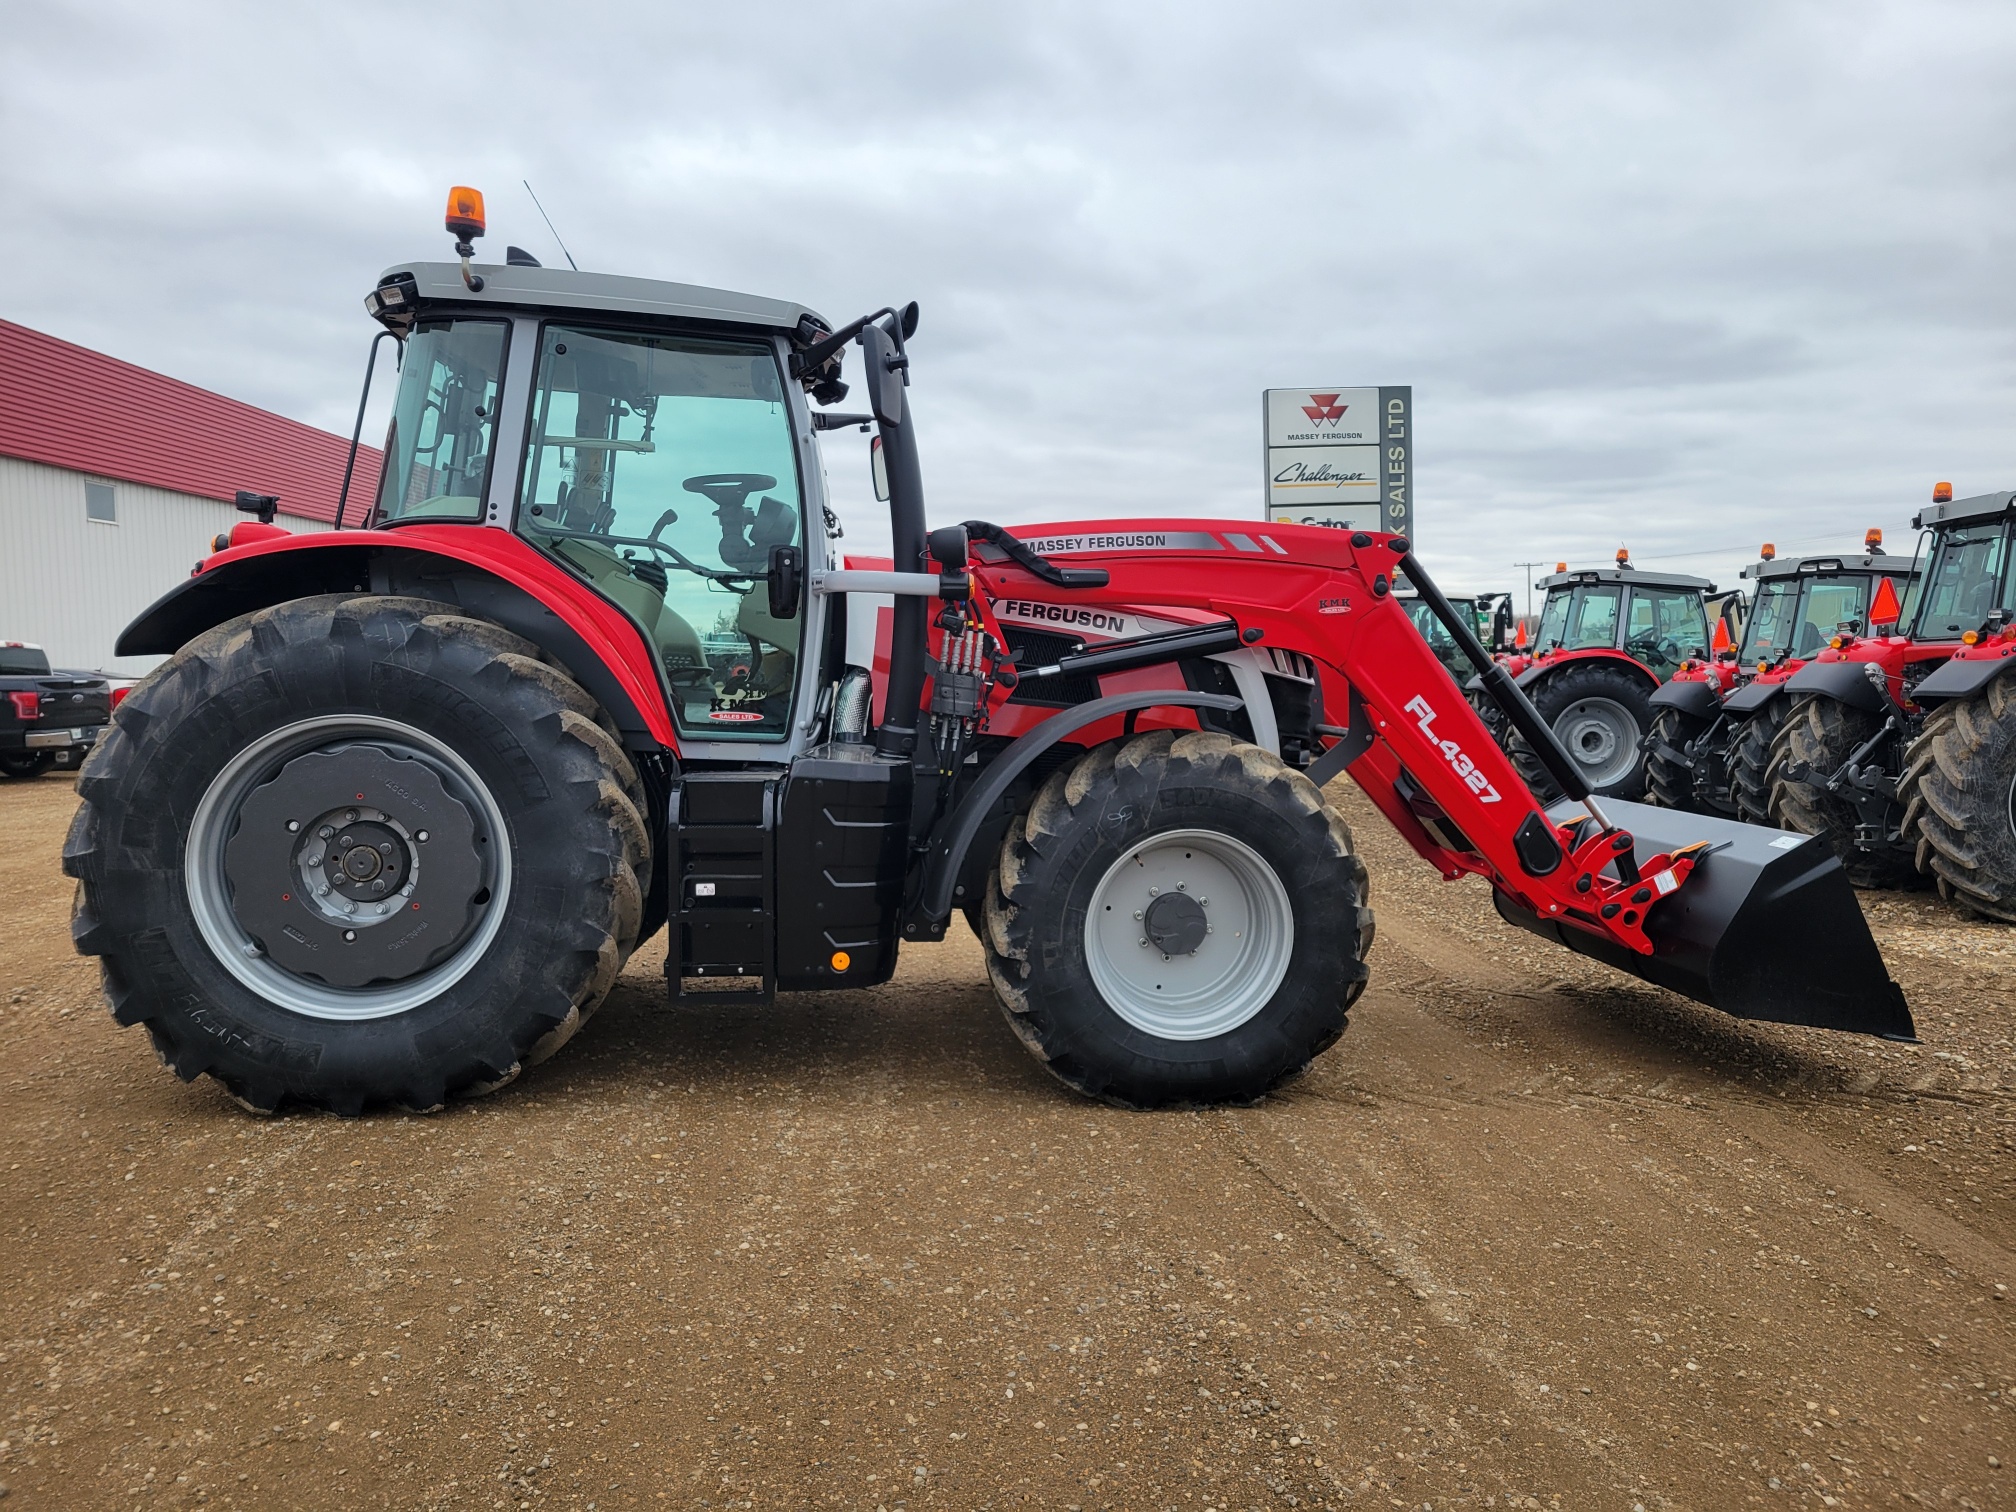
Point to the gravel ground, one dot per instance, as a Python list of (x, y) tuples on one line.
[(1531, 1235)]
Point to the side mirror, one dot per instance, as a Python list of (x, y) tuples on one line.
[(883, 365), (1501, 626), (786, 581), (878, 467), (908, 320)]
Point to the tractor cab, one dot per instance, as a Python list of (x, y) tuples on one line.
[(1802, 603), (647, 436), (1658, 619)]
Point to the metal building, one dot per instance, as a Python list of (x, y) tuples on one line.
[(114, 479)]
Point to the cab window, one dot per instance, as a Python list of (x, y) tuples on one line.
[(1667, 626), (1590, 618), (663, 469), (437, 452), (1965, 584)]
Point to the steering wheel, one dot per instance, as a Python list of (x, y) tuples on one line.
[(1655, 648), (726, 490)]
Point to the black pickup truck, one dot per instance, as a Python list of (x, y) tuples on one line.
[(47, 718)]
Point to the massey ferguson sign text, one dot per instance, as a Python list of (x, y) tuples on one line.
[(1340, 457)]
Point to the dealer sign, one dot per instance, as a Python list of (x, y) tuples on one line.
[(1341, 457)]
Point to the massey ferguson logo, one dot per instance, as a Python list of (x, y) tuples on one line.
[(1324, 409), (1452, 753)]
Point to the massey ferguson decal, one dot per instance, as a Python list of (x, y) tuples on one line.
[(1133, 540), (1063, 614), (1424, 715)]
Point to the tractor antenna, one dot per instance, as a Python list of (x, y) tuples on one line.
[(549, 226)]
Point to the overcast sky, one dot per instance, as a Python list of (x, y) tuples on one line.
[(1677, 277)]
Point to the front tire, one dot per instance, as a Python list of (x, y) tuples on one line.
[(1959, 796), (355, 850), (1823, 733), (1244, 885), (1667, 783), (1600, 711), (1750, 763)]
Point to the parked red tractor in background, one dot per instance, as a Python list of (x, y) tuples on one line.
[(1608, 638), (403, 799), (1714, 721), (1899, 748)]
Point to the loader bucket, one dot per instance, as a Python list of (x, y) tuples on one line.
[(1767, 927)]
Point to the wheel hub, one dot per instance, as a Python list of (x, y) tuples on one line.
[(1602, 736), (354, 866), (1175, 923)]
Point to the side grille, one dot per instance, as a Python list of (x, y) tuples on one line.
[(1039, 648)]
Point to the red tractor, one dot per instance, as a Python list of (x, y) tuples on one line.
[(1714, 721), (1608, 638), (387, 823), (1900, 748)]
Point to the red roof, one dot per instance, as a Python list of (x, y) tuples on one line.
[(72, 407)]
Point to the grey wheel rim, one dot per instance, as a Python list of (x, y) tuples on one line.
[(207, 858), (1602, 737), (1189, 934)]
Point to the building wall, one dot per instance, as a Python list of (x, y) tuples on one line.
[(73, 583)]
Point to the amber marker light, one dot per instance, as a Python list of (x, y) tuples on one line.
[(465, 213), (1623, 557), (842, 960), (1560, 566), (1971, 638), (1942, 493), (1873, 540), (1768, 552)]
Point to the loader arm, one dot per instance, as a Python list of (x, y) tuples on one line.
[(1758, 923)]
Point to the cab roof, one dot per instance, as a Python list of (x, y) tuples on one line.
[(1842, 561), (1633, 575), (611, 293), (1964, 511)]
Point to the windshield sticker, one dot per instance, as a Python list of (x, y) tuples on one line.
[(735, 716)]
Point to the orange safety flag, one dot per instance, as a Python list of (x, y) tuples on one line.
[(1886, 610), (1721, 643)]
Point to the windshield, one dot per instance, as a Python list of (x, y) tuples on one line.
[(1577, 618), (1966, 583), (437, 452), (1797, 616), (663, 469)]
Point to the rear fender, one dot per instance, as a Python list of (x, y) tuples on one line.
[(1843, 681), (490, 573), (1532, 676), (1694, 698), (1966, 674)]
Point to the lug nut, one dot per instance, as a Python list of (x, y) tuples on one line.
[(1154, 891), (293, 825), (1137, 913), (421, 837), (1144, 944), (349, 934), (325, 832)]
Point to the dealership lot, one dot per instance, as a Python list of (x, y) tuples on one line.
[(1530, 1235)]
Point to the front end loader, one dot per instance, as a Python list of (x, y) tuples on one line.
[(405, 796)]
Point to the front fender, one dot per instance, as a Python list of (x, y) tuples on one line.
[(1752, 696), (1843, 681), (1692, 697), (491, 573), (1965, 675)]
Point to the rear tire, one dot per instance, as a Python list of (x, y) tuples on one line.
[(1958, 789), (480, 775), (1240, 870), (1601, 712), (1824, 733), (26, 764), (1750, 763)]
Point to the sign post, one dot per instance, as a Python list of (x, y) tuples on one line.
[(1342, 457)]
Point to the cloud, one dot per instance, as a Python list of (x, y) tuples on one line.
[(1677, 277)]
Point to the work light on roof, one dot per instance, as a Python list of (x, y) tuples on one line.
[(1942, 493)]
